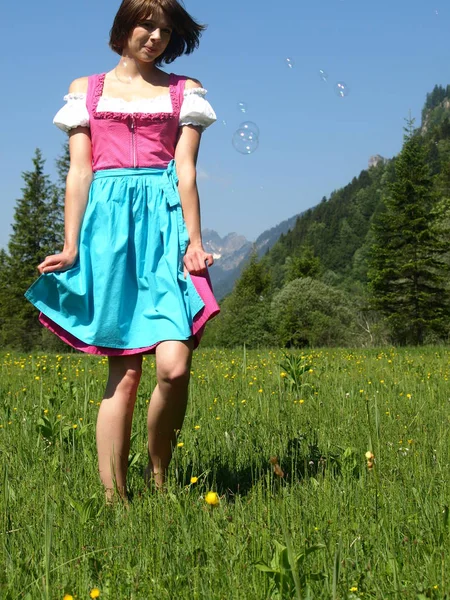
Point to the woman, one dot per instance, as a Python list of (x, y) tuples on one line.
[(132, 276)]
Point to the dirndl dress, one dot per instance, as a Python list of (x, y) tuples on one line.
[(127, 291)]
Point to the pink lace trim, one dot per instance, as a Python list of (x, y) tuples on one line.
[(119, 116)]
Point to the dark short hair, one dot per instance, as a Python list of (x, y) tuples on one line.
[(186, 31)]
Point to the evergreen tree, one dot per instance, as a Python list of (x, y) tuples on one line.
[(244, 317), (407, 267), (32, 239), (306, 264)]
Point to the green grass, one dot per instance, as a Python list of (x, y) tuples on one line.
[(380, 532)]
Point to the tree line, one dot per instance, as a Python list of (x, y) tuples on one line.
[(367, 266), (37, 230)]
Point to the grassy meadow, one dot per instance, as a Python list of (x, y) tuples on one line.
[(302, 511)]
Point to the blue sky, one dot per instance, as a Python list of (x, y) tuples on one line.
[(390, 55)]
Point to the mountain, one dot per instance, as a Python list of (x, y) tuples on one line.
[(338, 230), (232, 252)]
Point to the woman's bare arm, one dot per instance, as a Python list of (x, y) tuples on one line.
[(78, 182), (186, 154)]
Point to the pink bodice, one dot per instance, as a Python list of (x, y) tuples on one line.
[(123, 140)]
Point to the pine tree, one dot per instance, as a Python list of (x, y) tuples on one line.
[(32, 239), (245, 312), (407, 272)]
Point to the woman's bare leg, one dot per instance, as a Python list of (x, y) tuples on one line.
[(114, 422), (167, 405)]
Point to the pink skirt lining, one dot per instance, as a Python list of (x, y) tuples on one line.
[(203, 286)]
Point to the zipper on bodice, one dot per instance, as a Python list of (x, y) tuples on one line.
[(133, 139)]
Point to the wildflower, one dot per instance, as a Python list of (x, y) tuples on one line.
[(95, 593), (217, 418), (68, 597), (37, 377), (301, 401), (45, 411), (283, 374), (260, 390), (408, 396), (353, 589), (74, 425), (212, 499), (194, 479), (180, 444), (278, 470), (370, 458), (196, 426)]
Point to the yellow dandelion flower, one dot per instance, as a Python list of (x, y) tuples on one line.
[(369, 455), (74, 426), (301, 401), (37, 377), (217, 418), (212, 498), (408, 396), (68, 597), (95, 593), (260, 390), (45, 411), (194, 479), (353, 589), (196, 426), (180, 444), (283, 374)]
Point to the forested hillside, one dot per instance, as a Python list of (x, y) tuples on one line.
[(332, 244)]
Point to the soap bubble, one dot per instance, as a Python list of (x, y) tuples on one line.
[(242, 106), (290, 63), (323, 75), (122, 71), (250, 127), (245, 142), (341, 89)]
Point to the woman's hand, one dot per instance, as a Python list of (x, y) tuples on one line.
[(58, 262), (196, 260)]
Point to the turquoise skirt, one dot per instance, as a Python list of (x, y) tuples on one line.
[(127, 289)]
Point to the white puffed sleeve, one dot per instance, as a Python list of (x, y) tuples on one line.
[(196, 110), (73, 114)]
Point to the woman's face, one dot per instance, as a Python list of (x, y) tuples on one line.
[(149, 38)]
